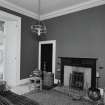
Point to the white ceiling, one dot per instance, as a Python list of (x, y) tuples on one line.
[(30, 5), (47, 6)]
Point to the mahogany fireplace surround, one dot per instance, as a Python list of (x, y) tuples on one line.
[(79, 62)]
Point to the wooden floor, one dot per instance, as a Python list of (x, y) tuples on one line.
[(53, 97)]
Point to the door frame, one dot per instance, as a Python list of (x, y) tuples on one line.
[(53, 53)]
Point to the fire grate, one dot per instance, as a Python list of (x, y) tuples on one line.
[(77, 80)]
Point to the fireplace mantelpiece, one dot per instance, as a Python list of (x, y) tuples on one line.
[(80, 62)]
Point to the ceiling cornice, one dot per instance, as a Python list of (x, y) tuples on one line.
[(75, 8), (78, 7), (18, 9)]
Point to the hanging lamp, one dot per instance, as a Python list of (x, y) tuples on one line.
[(39, 28)]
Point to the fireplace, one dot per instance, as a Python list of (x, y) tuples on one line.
[(84, 67)]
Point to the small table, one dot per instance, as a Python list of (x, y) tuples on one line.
[(36, 83)]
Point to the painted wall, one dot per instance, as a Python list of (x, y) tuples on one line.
[(80, 34), (29, 45)]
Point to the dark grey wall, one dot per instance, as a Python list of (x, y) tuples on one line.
[(80, 34), (29, 46)]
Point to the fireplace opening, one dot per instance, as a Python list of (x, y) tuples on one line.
[(77, 80)]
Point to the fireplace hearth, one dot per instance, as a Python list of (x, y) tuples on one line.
[(82, 63)]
